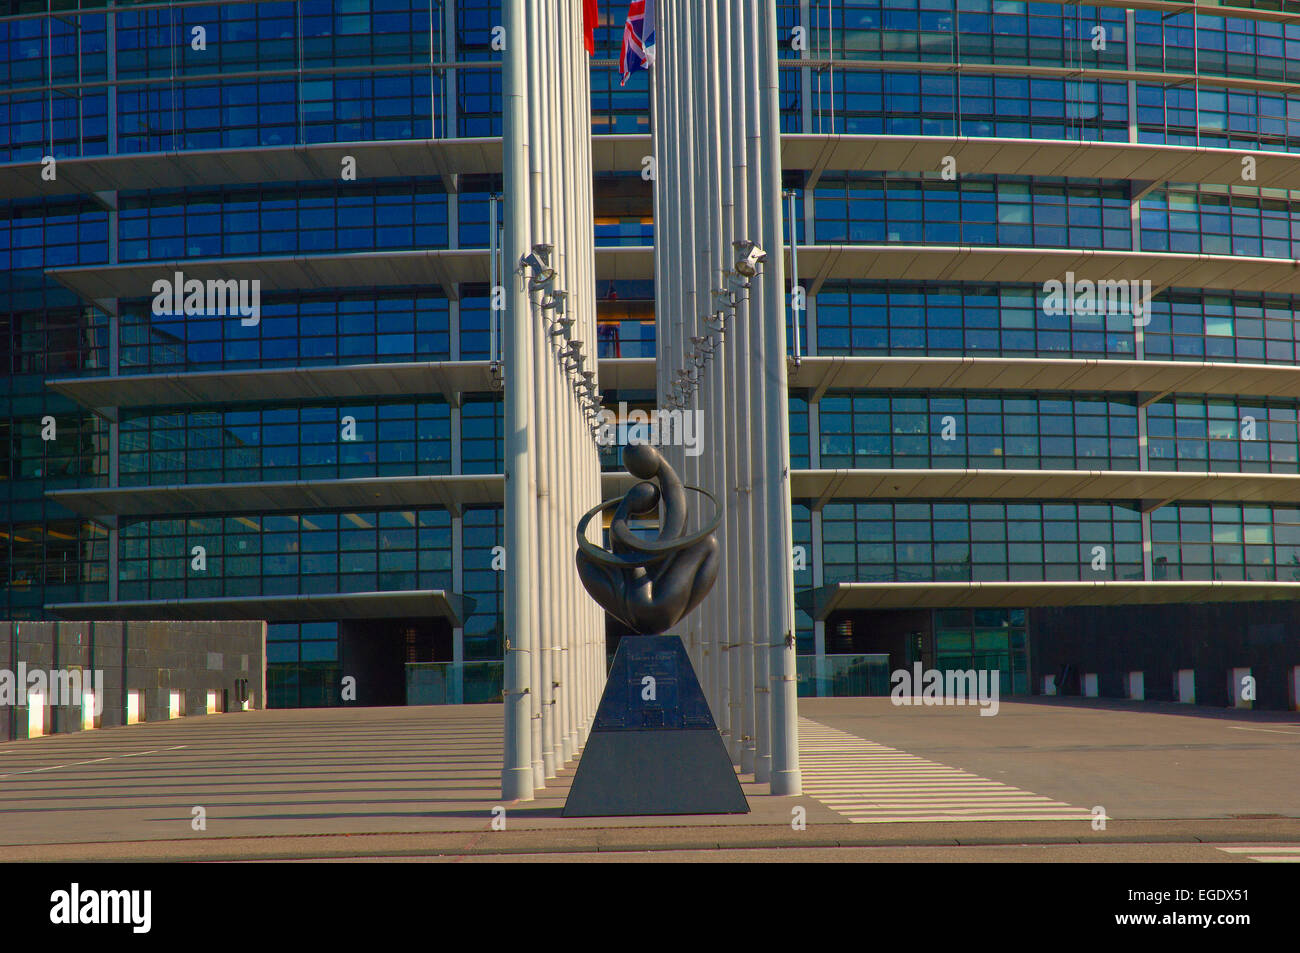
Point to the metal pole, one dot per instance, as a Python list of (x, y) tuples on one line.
[(548, 634), (695, 299), (517, 772), (759, 294), (794, 271), (493, 268), (722, 369), (541, 130), (568, 139), (739, 351), (786, 777)]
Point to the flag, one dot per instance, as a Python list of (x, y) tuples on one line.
[(590, 17), (638, 39)]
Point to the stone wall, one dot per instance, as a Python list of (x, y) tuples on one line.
[(152, 658)]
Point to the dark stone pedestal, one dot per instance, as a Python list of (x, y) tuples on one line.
[(654, 747)]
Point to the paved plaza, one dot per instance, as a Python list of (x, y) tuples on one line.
[(881, 783)]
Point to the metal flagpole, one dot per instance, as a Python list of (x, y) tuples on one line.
[(541, 129), (724, 367), (686, 319), (739, 355), (758, 388), (594, 617), (516, 772), (562, 186), (550, 635), (786, 777), (570, 137), (704, 269), (717, 402)]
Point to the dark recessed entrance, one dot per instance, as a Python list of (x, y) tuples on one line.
[(902, 634), (375, 652)]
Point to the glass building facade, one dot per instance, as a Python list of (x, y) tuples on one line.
[(337, 461)]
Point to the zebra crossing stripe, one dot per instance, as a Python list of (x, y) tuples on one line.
[(870, 783)]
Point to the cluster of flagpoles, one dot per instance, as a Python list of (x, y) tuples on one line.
[(555, 634), (716, 134)]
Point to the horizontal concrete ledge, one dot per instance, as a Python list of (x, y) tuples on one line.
[(814, 153), (995, 263), (818, 375), (818, 264), (1146, 378), (450, 491), (449, 378), (990, 155), (422, 603), (399, 158), (1145, 489), (1207, 8), (1018, 595), (400, 268)]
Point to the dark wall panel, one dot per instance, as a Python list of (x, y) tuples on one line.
[(1212, 638)]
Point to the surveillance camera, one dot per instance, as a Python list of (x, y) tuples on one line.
[(750, 257)]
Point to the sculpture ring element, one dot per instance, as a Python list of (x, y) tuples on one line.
[(654, 550)]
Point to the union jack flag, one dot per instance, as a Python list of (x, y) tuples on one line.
[(638, 39)]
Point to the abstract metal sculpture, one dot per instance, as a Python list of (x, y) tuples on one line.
[(649, 584), (654, 746)]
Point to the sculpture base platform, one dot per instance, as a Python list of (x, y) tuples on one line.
[(654, 748)]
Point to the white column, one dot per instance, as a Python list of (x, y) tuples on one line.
[(695, 299), (786, 777), (759, 383), (516, 773), (712, 397), (541, 132), (738, 360)]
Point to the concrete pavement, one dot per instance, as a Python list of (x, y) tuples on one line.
[(422, 783)]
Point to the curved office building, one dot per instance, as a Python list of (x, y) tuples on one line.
[(1043, 390)]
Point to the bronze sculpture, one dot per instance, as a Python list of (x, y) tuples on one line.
[(649, 584)]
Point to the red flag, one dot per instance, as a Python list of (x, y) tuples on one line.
[(590, 17)]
